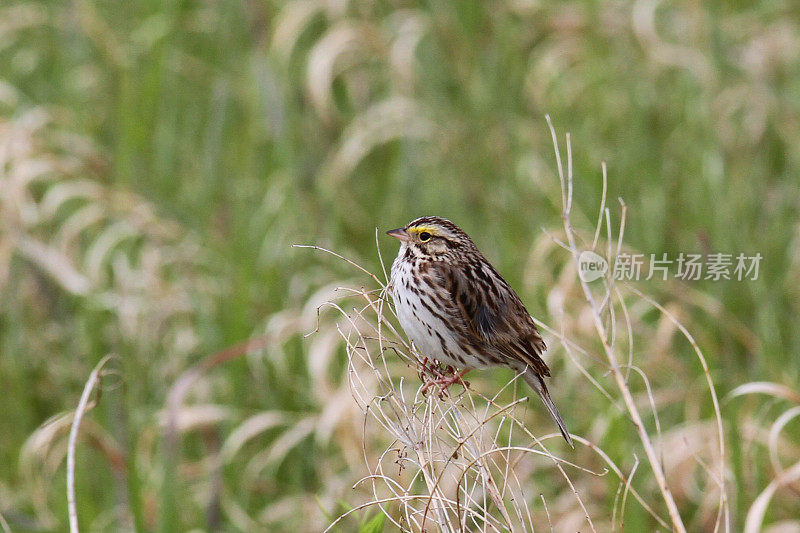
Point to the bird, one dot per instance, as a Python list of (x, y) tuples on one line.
[(458, 310)]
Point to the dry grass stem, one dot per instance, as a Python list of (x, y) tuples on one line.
[(84, 406)]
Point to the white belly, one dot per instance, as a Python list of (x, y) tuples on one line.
[(429, 333)]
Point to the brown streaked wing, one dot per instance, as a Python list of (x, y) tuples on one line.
[(501, 321)]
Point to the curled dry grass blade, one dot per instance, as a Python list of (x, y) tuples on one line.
[(84, 405), (783, 477)]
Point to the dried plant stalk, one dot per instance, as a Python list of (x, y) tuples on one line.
[(84, 405)]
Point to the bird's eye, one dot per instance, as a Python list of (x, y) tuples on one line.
[(424, 236)]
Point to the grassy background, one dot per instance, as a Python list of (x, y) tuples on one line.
[(216, 134)]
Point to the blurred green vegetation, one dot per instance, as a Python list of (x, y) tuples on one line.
[(248, 126)]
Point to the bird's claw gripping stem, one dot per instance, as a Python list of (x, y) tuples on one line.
[(444, 382)]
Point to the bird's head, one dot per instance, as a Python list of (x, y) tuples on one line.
[(431, 236)]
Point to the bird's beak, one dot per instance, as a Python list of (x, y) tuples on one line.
[(400, 234)]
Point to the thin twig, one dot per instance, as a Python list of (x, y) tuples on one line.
[(343, 258), (602, 206), (625, 493), (723, 498)]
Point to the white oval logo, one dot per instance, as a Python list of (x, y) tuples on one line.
[(591, 266)]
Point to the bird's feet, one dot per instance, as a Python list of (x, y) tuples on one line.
[(434, 369), (444, 381)]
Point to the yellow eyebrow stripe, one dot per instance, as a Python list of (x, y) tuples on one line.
[(420, 229)]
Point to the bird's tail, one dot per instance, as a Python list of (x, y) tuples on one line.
[(536, 382)]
